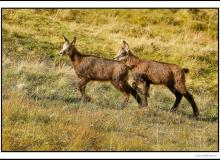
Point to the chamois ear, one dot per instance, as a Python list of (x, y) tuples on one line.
[(74, 41), (65, 39), (124, 42), (126, 46)]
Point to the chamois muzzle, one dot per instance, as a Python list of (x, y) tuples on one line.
[(61, 53), (116, 58), (120, 58)]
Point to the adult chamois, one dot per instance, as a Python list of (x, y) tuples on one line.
[(148, 72), (93, 68)]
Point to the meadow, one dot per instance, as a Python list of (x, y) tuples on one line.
[(41, 107)]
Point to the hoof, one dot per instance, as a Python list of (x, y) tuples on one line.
[(122, 107), (173, 109), (142, 106), (196, 114), (145, 104), (87, 99)]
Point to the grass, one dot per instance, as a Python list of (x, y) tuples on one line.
[(41, 107)]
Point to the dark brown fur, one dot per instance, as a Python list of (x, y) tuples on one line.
[(93, 68), (152, 72)]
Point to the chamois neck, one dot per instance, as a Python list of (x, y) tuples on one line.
[(75, 54), (132, 60)]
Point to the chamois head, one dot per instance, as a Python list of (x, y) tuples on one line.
[(68, 46), (123, 52)]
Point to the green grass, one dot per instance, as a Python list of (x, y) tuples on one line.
[(42, 110)]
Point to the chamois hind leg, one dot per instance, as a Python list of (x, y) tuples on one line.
[(146, 87), (129, 90), (182, 89), (190, 98), (126, 94), (178, 96), (82, 86)]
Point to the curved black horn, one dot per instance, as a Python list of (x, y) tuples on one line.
[(74, 40), (65, 38), (125, 44)]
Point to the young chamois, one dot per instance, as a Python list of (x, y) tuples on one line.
[(93, 68), (148, 72)]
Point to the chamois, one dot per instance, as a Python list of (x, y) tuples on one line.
[(93, 68), (148, 72)]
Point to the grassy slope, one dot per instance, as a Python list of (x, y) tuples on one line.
[(41, 105)]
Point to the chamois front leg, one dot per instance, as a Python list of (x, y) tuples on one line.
[(135, 86), (123, 88), (145, 92), (82, 86)]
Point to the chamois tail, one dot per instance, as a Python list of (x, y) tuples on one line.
[(186, 70)]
